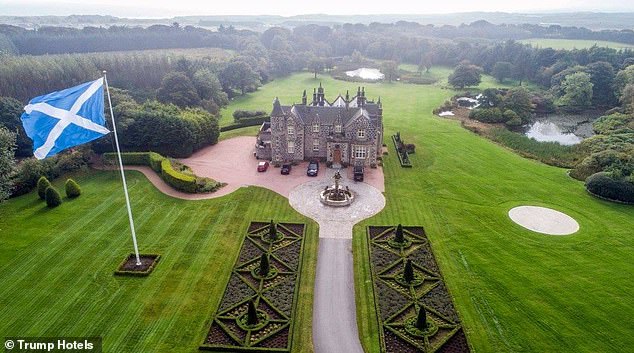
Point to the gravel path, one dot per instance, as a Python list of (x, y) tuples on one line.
[(334, 310), (544, 220)]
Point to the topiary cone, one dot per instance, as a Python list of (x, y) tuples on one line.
[(408, 272), (42, 184), (72, 188), (399, 238), (264, 265), (53, 198), (252, 314), (272, 231), (421, 320)]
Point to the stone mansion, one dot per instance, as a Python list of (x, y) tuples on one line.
[(342, 132)]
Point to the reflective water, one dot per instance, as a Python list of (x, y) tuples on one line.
[(366, 74), (562, 128)]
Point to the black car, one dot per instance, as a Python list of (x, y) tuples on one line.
[(286, 169), (313, 168), (358, 173)]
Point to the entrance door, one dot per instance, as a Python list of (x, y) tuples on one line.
[(336, 156)]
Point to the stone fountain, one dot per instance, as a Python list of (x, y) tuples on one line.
[(335, 195)]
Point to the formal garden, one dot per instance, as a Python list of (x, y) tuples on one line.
[(257, 311), (416, 311)]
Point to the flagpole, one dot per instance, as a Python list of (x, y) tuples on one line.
[(125, 185)]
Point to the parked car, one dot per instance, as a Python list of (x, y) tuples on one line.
[(358, 173), (286, 169), (263, 166), (313, 168)]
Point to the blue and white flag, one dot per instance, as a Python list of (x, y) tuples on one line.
[(67, 118)]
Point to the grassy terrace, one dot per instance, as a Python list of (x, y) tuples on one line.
[(515, 290), (56, 266)]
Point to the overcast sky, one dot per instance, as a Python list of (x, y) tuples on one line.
[(168, 8)]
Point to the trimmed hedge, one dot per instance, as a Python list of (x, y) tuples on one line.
[(178, 180), (53, 198), (72, 189), (242, 114), (42, 185), (163, 166), (603, 185), (245, 123)]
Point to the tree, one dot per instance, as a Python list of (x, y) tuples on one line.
[(42, 185), (240, 75), (408, 271), (390, 70), (10, 112), (502, 70), (7, 162), (176, 88), (53, 198), (577, 89), (623, 78), (316, 65), (72, 189), (465, 74), (265, 266), (602, 78), (421, 319), (627, 98), (209, 90), (518, 99)]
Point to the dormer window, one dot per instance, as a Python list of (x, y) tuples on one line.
[(361, 134), (316, 127), (338, 128), (290, 130)]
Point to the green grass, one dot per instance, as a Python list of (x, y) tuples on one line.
[(515, 290), (569, 44), (57, 265)]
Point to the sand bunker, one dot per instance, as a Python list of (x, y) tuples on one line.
[(544, 220)]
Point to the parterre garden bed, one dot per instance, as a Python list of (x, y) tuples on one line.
[(398, 301), (274, 295)]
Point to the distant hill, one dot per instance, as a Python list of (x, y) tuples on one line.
[(590, 20)]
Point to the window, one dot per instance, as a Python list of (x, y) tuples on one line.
[(290, 147), (361, 134), (316, 146), (360, 152), (316, 127), (338, 128), (290, 130)]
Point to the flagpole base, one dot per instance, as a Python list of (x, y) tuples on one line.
[(130, 267)]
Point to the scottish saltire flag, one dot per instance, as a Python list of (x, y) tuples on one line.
[(67, 118)]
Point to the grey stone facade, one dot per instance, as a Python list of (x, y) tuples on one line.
[(346, 131)]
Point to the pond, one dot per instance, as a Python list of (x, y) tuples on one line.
[(366, 74), (567, 129)]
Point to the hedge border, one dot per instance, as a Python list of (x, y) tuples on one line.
[(400, 159), (292, 317), (145, 273), (608, 199), (163, 167), (251, 122)]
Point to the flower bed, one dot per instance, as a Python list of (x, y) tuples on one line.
[(399, 301), (274, 295)]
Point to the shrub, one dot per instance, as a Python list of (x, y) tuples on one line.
[(512, 119), (42, 185), (178, 180), (241, 114), (53, 198), (421, 320), (408, 272), (72, 189), (604, 185), (399, 237), (488, 115), (264, 265)]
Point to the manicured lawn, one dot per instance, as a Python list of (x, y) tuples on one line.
[(56, 266), (573, 43), (515, 290)]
